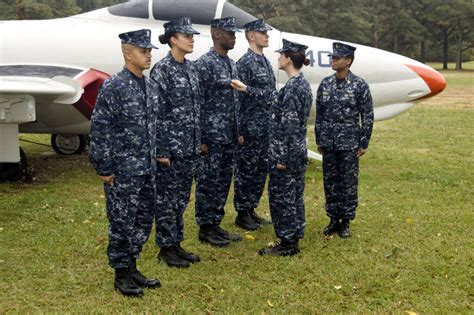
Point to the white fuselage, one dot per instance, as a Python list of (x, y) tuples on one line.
[(90, 40)]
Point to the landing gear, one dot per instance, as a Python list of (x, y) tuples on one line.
[(12, 172), (69, 144)]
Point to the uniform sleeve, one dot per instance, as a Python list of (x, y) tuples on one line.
[(102, 131), (262, 95), (288, 125), (319, 114), (204, 77), (164, 110), (366, 112)]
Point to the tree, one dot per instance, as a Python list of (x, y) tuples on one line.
[(443, 20), (462, 31), (7, 10)]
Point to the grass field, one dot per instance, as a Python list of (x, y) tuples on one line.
[(412, 248)]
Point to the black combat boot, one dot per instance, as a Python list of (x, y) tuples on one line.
[(284, 248), (258, 218), (124, 283), (192, 258), (344, 231), (207, 234), (140, 279), (332, 227), (233, 237), (172, 258), (245, 221)]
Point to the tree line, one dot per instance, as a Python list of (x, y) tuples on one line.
[(426, 30)]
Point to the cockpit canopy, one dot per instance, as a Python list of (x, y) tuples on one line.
[(200, 12)]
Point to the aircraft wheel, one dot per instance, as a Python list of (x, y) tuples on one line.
[(12, 172), (69, 144)]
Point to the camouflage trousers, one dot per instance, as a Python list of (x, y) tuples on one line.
[(214, 176), (130, 208), (250, 173), (286, 197), (341, 172), (173, 189)]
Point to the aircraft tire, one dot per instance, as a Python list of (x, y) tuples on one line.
[(69, 144)]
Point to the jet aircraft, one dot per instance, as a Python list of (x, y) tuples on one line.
[(51, 70)]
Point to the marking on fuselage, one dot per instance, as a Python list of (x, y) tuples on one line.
[(323, 60)]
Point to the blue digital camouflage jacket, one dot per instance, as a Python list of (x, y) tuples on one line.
[(218, 107), (344, 113), (123, 127), (178, 127), (289, 116), (254, 107)]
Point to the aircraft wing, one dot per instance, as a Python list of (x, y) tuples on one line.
[(60, 89), (46, 84), (28, 91)]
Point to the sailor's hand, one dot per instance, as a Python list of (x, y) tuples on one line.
[(204, 149), (361, 152), (281, 167), (238, 85), (164, 161), (109, 180)]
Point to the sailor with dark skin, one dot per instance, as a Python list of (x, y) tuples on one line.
[(344, 121), (218, 133)]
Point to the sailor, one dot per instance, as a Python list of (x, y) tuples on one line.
[(344, 120), (123, 153)]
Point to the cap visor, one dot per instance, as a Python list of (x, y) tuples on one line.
[(263, 30), (193, 32), (151, 46), (235, 30)]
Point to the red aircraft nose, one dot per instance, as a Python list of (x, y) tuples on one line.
[(433, 79)]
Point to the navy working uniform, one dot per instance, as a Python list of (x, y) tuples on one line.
[(344, 120), (254, 116), (178, 138), (218, 130), (288, 147), (123, 143)]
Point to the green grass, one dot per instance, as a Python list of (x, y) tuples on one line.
[(412, 247), (459, 79)]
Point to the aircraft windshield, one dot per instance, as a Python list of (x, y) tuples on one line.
[(134, 9), (241, 16), (200, 12)]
